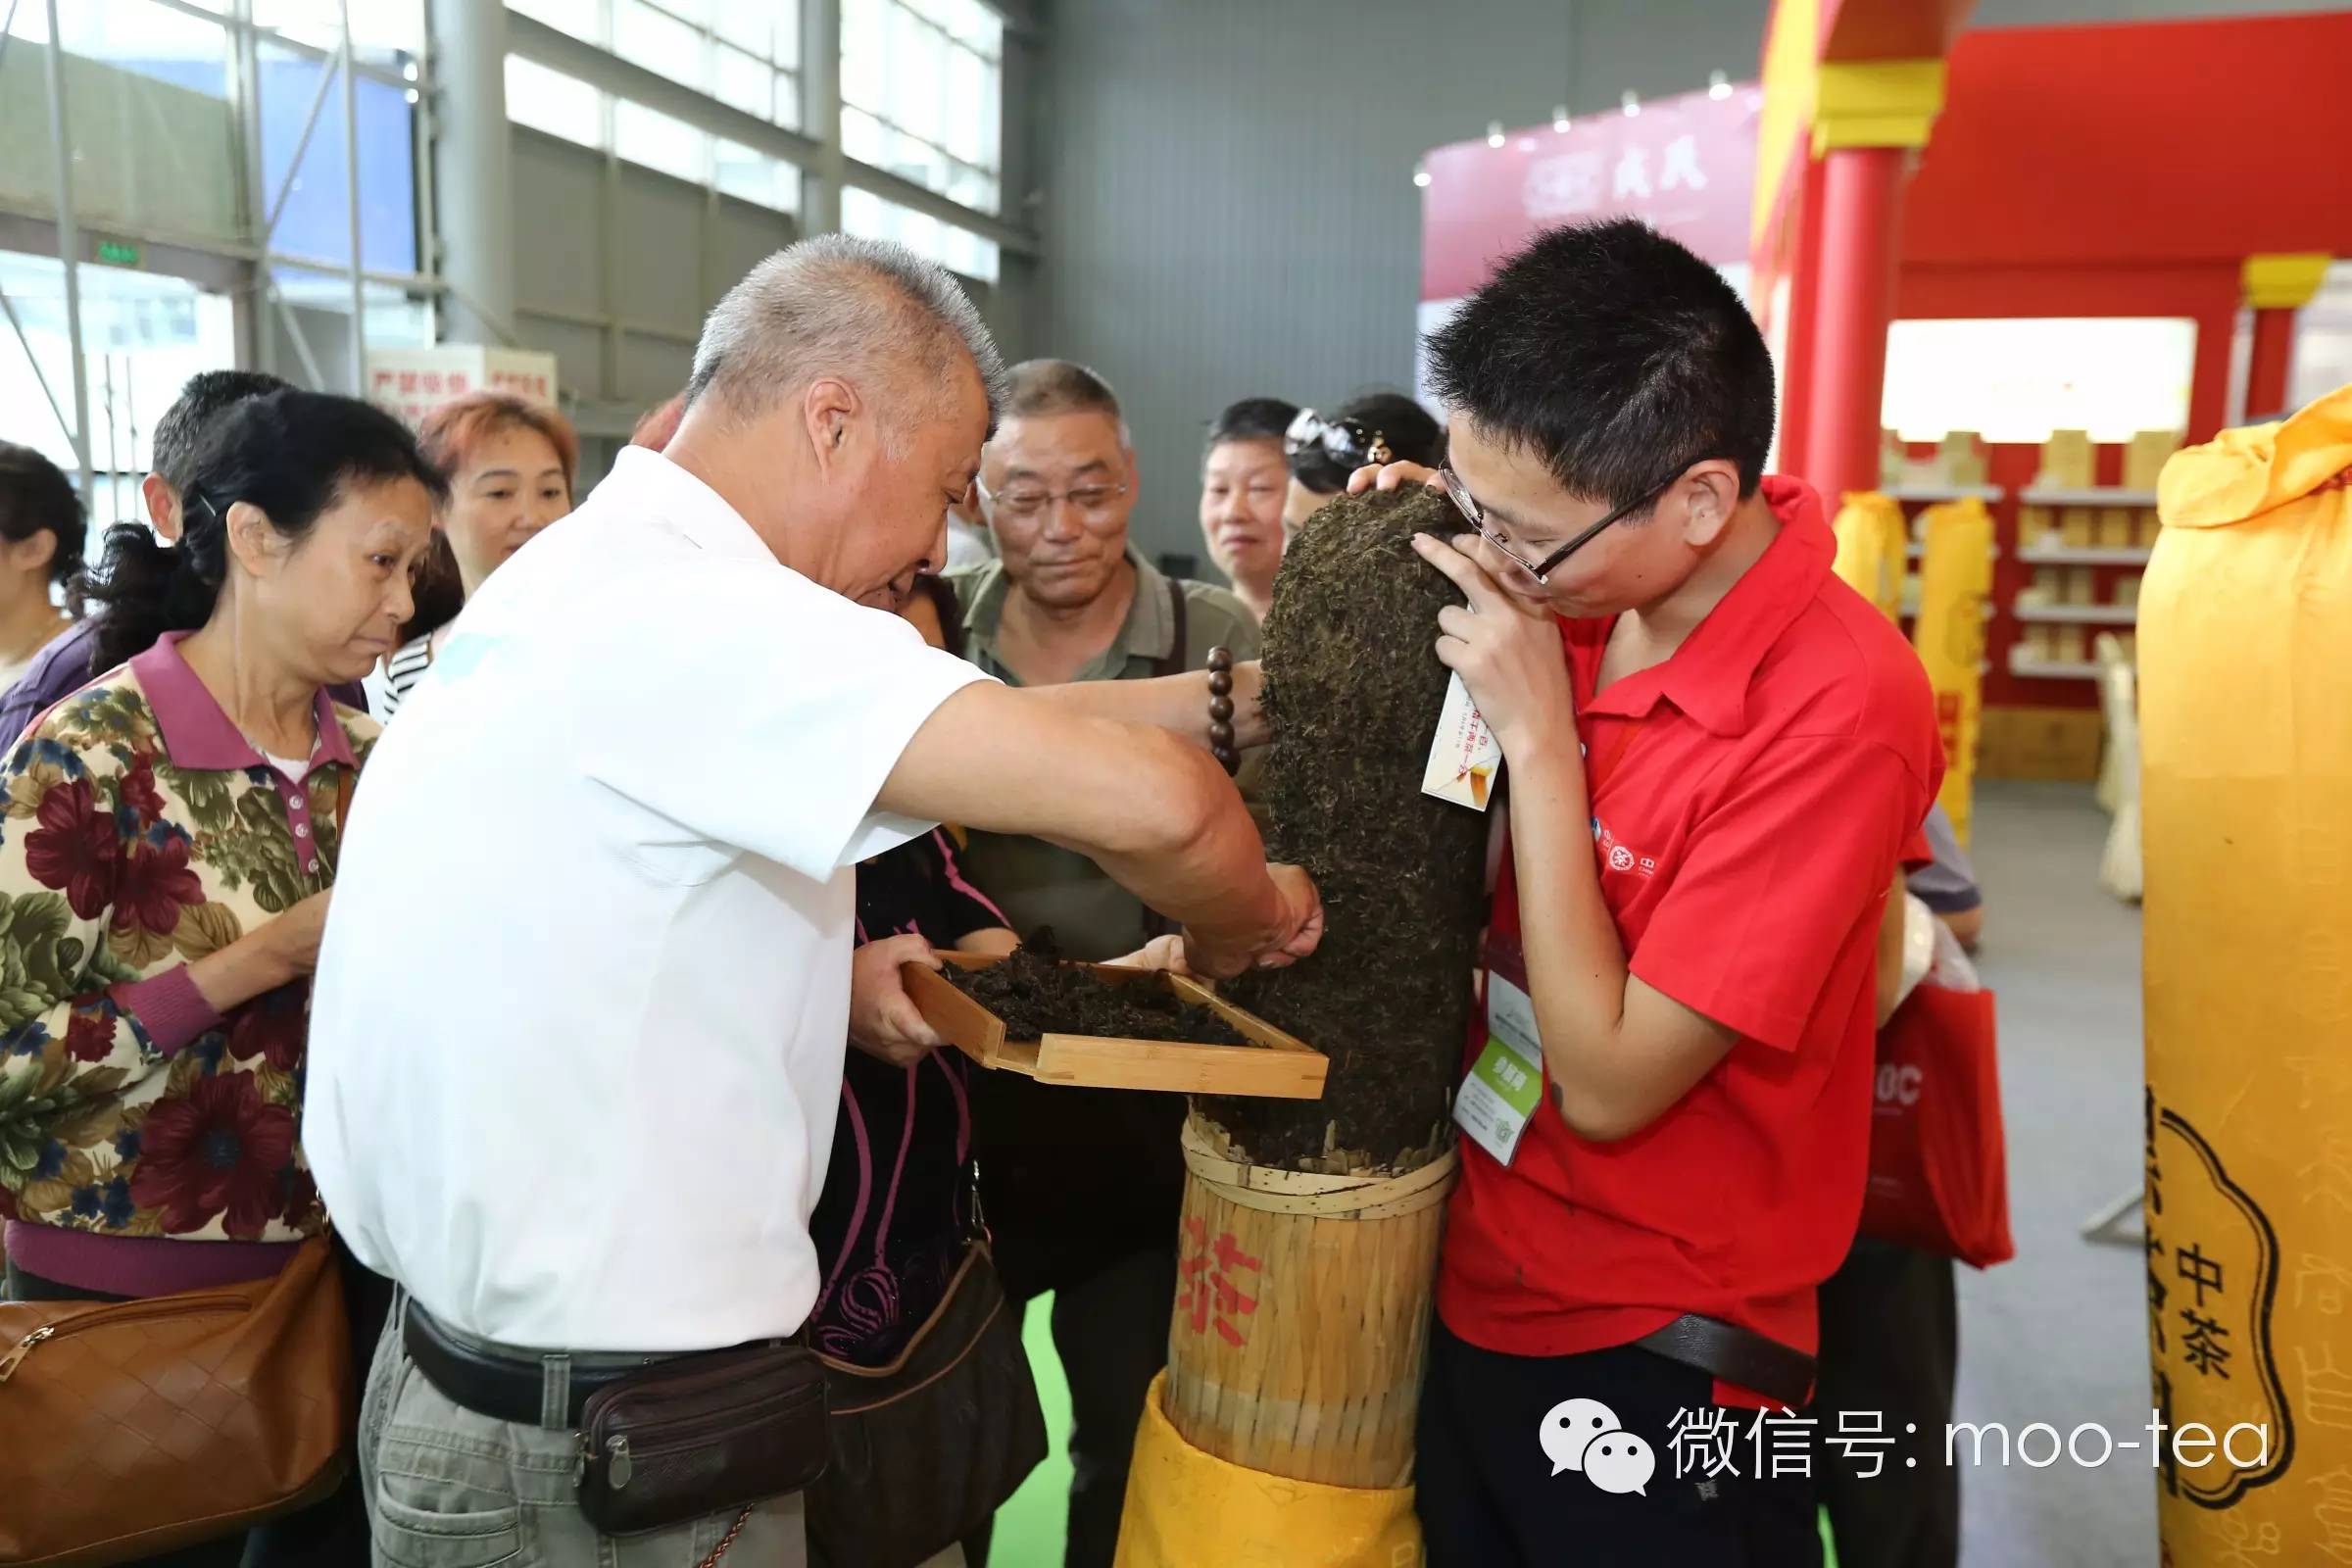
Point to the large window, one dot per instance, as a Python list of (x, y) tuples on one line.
[(142, 336), (921, 91), (921, 95), (384, 32), (743, 53), (153, 127), (958, 250), (921, 82)]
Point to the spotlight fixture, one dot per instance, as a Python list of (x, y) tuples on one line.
[(1719, 86), (1494, 133), (1559, 119), (1631, 104), (1421, 177)]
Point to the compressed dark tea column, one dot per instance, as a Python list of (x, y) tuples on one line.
[(1311, 1227), (1353, 691)]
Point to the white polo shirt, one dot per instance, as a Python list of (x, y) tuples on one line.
[(576, 1039)]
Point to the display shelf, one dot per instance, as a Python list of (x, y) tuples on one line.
[(1944, 492), (1908, 605), (2084, 554), (2097, 495), (2081, 614), (1917, 550), (2026, 667)]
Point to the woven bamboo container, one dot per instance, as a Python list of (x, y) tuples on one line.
[(1303, 1315)]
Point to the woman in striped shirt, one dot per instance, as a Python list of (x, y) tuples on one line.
[(509, 467)]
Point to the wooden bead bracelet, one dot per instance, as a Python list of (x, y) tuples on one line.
[(1220, 710)]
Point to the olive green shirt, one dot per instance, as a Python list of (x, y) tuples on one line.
[(1036, 883)]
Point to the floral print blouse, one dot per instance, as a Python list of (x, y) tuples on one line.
[(139, 831)]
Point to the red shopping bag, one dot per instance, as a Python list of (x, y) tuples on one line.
[(1938, 1165)]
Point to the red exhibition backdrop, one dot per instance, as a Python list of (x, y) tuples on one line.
[(2122, 171), (1687, 165), (2081, 171)]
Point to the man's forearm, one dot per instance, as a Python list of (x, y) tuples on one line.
[(1177, 704), (1157, 814), (1619, 1053), (1213, 882), (1575, 964)]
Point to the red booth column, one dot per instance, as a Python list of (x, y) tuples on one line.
[(2274, 355), (1868, 119), (1861, 201), (2277, 287)]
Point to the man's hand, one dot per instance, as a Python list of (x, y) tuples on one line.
[(1507, 650), (1299, 933), (1389, 477), (884, 1021)]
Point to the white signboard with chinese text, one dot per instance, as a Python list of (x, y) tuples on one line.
[(413, 382)]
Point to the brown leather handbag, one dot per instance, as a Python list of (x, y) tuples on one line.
[(134, 1428)]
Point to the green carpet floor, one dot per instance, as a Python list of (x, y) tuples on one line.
[(1030, 1526)]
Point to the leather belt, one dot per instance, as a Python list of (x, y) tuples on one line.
[(529, 1387), (1736, 1355)]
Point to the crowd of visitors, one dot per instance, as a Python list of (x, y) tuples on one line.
[(602, 1081)]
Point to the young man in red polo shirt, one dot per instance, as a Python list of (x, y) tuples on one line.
[(1717, 755)]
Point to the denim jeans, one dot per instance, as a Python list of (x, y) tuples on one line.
[(450, 1488)]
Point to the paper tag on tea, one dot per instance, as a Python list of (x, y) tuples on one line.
[(1463, 754)]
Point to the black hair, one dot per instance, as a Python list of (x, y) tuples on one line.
[(181, 431), (1616, 357), (945, 605), (289, 453), (1411, 432), (36, 496), (439, 591), (1251, 420)]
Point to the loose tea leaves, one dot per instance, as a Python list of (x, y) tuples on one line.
[(1036, 994), (1353, 690)]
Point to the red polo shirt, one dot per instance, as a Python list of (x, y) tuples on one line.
[(1751, 798)]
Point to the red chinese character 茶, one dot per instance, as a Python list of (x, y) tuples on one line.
[(1204, 1290)]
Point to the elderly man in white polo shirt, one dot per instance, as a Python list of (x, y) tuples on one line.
[(577, 1036)]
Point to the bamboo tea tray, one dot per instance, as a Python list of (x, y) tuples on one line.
[(1278, 1068)]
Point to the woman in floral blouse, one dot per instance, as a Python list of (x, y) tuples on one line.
[(168, 836)]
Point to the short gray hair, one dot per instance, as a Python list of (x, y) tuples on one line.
[(1037, 389), (873, 312)]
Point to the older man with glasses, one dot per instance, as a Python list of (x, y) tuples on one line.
[(1081, 1187)]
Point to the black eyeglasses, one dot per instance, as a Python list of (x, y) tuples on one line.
[(1540, 570), (1349, 443)]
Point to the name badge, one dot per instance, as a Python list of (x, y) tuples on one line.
[(1506, 1082)]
